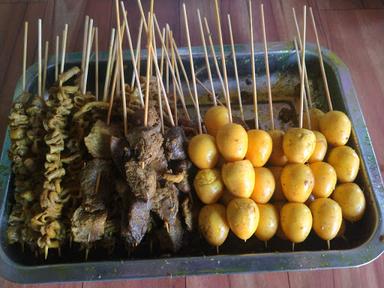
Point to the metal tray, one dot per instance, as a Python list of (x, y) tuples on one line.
[(364, 240)]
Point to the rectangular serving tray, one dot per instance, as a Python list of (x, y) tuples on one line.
[(365, 241)]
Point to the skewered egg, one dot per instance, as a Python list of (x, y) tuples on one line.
[(259, 147), (232, 141), (202, 151), (208, 185), (239, 178), (299, 144)]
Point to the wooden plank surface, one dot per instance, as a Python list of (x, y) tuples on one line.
[(352, 29)]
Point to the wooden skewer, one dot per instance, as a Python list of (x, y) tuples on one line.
[(63, 48), (97, 63), (57, 48), (174, 81), (206, 57), (46, 50), (192, 69), (39, 52), (305, 70), (134, 64), (305, 95), (302, 63), (138, 52), (109, 66), (84, 54), (326, 88), (121, 64), (162, 55), (88, 55), (235, 67), (224, 67), (149, 63), (267, 66), (214, 55), (253, 65), (167, 42), (158, 80), (25, 45)]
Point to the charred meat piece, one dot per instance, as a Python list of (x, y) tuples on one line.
[(88, 227), (137, 118), (120, 153), (185, 167), (165, 202), (175, 144), (141, 181), (171, 239), (136, 222)]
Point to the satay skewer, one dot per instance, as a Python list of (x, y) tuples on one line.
[(167, 45), (57, 56), (267, 66), (39, 56), (109, 66), (85, 37), (63, 51), (97, 63), (324, 75), (25, 46), (46, 50), (174, 92), (254, 86), (87, 56), (138, 53), (192, 68), (158, 80), (206, 57), (302, 65), (235, 68)]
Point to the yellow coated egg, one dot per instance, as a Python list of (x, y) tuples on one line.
[(298, 144), (264, 185), (327, 218), (239, 178), (336, 127), (325, 179), (315, 115), (351, 200), (296, 221), (277, 157), (346, 163), (202, 151), (232, 141), (259, 147), (213, 224), (297, 182), (320, 148), (268, 222), (243, 217), (215, 118), (278, 195), (208, 185)]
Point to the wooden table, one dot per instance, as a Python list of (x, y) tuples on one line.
[(353, 29)]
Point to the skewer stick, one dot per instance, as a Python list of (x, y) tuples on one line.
[(149, 63), (87, 56), (97, 63), (224, 67), (138, 51), (303, 65), (214, 55), (39, 52), (134, 63), (84, 54), (167, 42), (235, 67), (109, 66), (253, 65), (158, 80), (267, 66), (121, 64), (206, 57), (326, 88), (192, 69), (57, 48), (25, 45), (305, 68), (305, 95), (174, 82), (63, 48), (45, 65)]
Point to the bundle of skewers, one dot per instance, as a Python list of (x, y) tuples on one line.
[(132, 165)]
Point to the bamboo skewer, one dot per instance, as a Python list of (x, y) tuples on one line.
[(224, 67), (46, 50), (326, 88), (305, 68), (57, 48), (206, 57), (303, 65), (192, 68), (134, 64), (121, 64), (25, 46), (167, 42), (138, 52), (39, 56), (235, 68), (267, 67), (174, 81), (214, 55), (253, 65), (97, 63), (87, 56), (109, 66), (63, 48), (84, 54), (158, 80)]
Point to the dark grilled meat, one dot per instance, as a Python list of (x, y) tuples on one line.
[(175, 144), (171, 238), (165, 202), (141, 181), (88, 227)]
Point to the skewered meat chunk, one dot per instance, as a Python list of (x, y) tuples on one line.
[(185, 167), (171, 238), (120, 153), (165, 202), (175, 144), (137, 118), (88, 227), (141, 181), (186, 209)]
